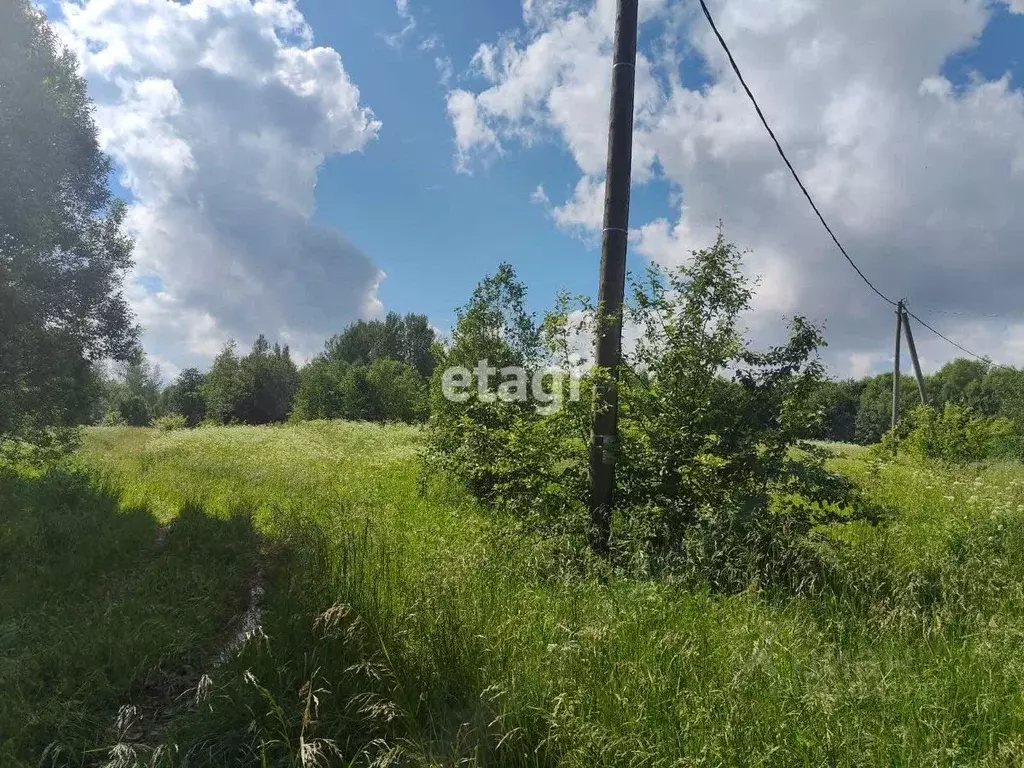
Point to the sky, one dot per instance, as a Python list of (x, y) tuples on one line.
[(292, 166)]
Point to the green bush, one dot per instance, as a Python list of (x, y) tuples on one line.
[(171, 422), (959, 435), (112, 418), (710, 481)]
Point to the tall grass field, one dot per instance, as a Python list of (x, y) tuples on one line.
[(296, 596)]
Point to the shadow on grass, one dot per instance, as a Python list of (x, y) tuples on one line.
[(103, 608), (362, 663)]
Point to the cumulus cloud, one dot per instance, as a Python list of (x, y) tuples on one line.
[(584, 211), (921, 179), (471, 132), (220, 113)]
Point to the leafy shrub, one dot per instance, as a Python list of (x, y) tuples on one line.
[(171, 422), (472, 440), (958, 434), (709, 479), (112, 418)]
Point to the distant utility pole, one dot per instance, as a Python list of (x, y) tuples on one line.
[(913, 357), (896, 368), (608, 345)]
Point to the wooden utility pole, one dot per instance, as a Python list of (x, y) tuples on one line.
[(913, 357), (608, 344), (896, 368)]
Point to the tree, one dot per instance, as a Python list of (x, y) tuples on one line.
[(418, 340), (470, 438), (958, 382), (270, 381), (144, 380), (384, 390), (133, 398), (224, 389), (63, 254), (394, 391), (408, 339), (256, 389), (133, 411), (712, 474), (185, 396), (703, 449), (320, 393), (838, 403), (874, 417), (1002, 394)]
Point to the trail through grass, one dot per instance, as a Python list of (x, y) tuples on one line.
[(409, 629), (104, 607)]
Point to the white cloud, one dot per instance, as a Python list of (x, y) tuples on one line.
[(443, 64), (861, 364), (398, 39), (921, 180), (471, 133), (554, 86), (584, 211), (220, 113)]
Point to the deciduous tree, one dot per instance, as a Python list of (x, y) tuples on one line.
[(63, 252)]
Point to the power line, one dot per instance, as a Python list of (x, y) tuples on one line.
[(986, 360), (782, 152), (796, 177), (952, 312)]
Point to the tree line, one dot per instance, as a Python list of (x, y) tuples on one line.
[(372, 371), (860, 410)]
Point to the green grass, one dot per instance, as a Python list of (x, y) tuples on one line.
[(407, 628), (103, 607)]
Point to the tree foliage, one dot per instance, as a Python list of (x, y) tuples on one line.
[(958, 434), (385, 390), (473, 439), (838, 402), (270, 380), (133, 396), (256, 389), (988, 391), (185, 396), (709, 478), (709, 423), (63, 254), (224, 388), (409, 339)]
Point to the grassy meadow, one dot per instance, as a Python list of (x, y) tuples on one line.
[(294, 596)]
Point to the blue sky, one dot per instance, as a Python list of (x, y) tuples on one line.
[(435, 206), (457, 227), (453, 227)]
